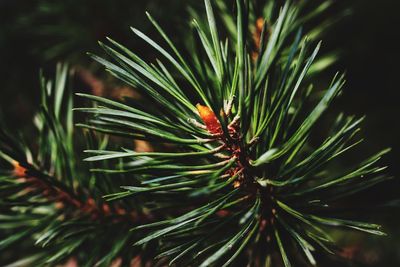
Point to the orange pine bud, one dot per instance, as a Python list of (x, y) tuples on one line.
[(18, 171), (257, 33), (259, 25), (257, 37), (209, 119)]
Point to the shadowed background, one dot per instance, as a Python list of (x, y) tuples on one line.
[(36, 34)]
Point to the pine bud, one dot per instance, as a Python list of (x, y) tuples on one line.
[(209, 119), (19, 171)]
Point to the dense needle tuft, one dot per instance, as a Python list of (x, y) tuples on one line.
[(234, 181), (242, 172)]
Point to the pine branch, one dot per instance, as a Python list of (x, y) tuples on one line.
[(240, 169), (234, 177), (51, 204)]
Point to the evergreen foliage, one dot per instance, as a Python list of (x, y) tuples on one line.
[(235, 177), (51, 204)]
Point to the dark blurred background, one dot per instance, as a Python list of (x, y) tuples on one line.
[(38, 33)]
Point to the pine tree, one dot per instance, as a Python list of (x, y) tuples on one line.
[(235, 178)]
